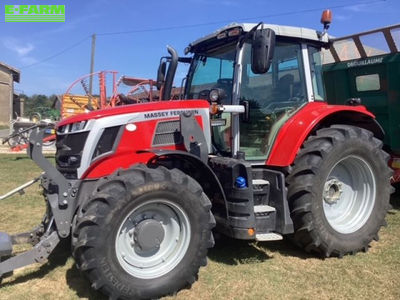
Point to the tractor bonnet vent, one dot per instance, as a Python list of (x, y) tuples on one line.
[(168, 133), (106, 141), (69, 153)]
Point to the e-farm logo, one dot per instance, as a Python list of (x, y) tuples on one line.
[(35, 13)]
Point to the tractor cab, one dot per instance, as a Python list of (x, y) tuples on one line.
[(271, 70)]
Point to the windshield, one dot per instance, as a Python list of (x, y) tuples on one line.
[(214, 69)]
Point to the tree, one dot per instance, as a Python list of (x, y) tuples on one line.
[(42, 105)]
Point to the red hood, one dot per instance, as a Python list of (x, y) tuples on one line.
[(133, 108)]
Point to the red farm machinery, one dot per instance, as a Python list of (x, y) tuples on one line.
[(251, 149), (137, 90), (79, 99)]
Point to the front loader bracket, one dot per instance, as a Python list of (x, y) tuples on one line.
[(61, 195), (60, 192)]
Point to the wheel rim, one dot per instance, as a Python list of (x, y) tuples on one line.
[(349, 194), (153, 239)]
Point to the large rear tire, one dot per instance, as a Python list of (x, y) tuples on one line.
[(144, 233), (339, 191)]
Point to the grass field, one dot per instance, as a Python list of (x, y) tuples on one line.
[(236, 269)]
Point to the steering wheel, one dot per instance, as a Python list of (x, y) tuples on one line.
[(277, 106), (203, 94)]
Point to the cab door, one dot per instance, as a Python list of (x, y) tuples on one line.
[(272, 98)]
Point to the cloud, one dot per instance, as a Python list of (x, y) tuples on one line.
[(14, 45), (356, 8), (24, 50), (342, 17), (366, 7), (27, 60), (21, 49)]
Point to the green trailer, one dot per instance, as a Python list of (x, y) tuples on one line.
[(365, 68)]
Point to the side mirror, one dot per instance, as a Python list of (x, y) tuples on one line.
[(262, 50), (161, 74)]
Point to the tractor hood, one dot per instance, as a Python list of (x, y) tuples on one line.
[(179, 105), (94, 138)]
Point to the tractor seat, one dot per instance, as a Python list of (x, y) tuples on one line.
[(226, 84), (284, 89)]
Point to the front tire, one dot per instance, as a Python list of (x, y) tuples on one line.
[(339, 191), (144, 233)]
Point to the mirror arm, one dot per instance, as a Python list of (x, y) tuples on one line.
[(248, 34), (235, 109)]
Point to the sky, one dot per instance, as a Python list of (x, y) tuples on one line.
[(133, 35)]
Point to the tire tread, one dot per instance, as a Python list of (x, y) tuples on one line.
[(301, 179), (104, 199)]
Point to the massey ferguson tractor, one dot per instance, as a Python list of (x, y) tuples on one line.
[(252, 150)]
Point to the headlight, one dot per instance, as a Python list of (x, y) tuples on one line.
[(214, 95), (217, 95), (78, 126), (71, 128)]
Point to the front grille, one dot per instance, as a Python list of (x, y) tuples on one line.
[(69, 153), (168, 133)]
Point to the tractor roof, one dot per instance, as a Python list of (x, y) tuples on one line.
[(285, 31)]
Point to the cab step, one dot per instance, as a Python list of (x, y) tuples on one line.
[(270, 236), (259, 209), (260, 182)]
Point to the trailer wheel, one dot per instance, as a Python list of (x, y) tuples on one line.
[(144, 233), (339, 191)]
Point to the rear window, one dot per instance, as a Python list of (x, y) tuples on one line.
[(369, 82)]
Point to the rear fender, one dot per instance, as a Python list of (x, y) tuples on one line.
[(310, 118)]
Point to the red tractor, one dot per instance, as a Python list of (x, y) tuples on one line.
[(139, 188)]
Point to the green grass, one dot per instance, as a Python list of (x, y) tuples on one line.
[(236, 269)]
